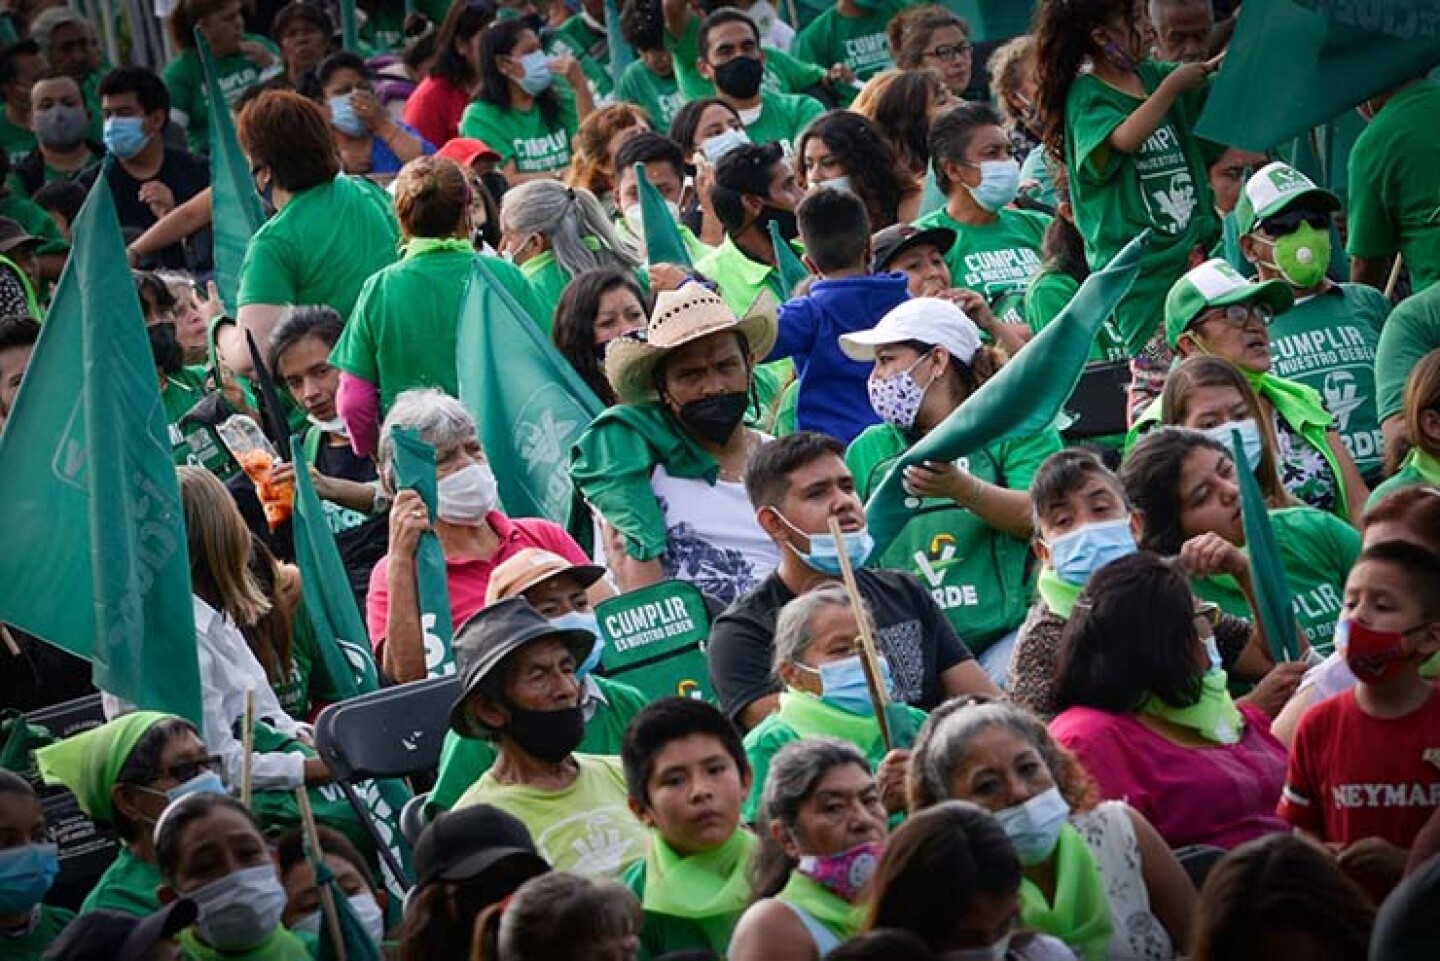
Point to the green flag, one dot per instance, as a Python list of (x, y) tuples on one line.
[(529, 403), (414, 464), (1022, 398), (356, 941), (1267, 571), (349, 30), (792, 272), (236, 211), (663, 243), (95, 559), (1335, 55), (621, 56)]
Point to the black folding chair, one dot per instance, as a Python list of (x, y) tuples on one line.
[(396, 732)]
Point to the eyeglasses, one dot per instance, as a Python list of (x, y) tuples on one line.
[(188, 770), (1237, 315), (1209, 613), (1288, 221), (951, 51)]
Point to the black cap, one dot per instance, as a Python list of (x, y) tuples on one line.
[(116, 936), (13, 235), (461, 845), (898, 238), (491, 635)]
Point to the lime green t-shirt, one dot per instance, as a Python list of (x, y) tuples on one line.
[(401, 334), (190, 104), (982, 579), (575, 38), (1417, 468), (524, 136), (997, 260), (17, 141), (658, 96), (281, 945), (782, 117), (586, 828), (857, 42), (1317, 550), (1395, 184), (31, 945), (321, 246), (1412, 331), (128, 885), (1164, 186), (1050, 292), (1328, 342), (783, 73)]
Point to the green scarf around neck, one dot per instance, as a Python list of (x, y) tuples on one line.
[(1080, 914), (420, 246), (812, 717), (1423, 464), (840, 916), (1058, 594), (1214, 717), (710, 888)]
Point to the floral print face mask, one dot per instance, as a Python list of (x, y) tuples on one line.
[(897, 398)]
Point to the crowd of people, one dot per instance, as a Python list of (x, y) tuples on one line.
[(780, 250)]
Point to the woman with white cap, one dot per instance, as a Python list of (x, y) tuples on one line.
[(969, 535)]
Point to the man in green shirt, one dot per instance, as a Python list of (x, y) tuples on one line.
[(20, 66), (71, 47), (783, 72), (851, 33)]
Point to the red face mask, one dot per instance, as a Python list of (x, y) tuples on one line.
[(1373, 656)]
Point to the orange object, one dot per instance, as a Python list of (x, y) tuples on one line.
[(276, 499)]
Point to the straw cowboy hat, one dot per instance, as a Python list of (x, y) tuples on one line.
[(681, 317)]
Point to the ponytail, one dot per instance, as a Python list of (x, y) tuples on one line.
[(1062, 45)]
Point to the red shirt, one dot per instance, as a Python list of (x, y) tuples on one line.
[(468, 578), (1354, 776), (435, 108)]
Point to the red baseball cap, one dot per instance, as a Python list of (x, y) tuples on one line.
[(466, 150)]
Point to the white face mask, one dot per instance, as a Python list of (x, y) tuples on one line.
[(335, 425), (635, 218), (466, 496), (240, 910), (366, 909), (722, 143), (841, 184)]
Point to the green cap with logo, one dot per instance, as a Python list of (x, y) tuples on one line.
[(1274, 187), (1216, 284)]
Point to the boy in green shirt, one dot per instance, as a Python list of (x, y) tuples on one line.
[(651, 81), (687, 775), (852, 34)]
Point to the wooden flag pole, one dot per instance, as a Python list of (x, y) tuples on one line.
[(869, 655), (327, 893), (1394, 276), (247, 737), (9, 640)]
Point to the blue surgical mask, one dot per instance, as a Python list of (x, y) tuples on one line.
[(584, 621), (1034, 825), (537, 78), (1081, 552), (999, 182), (343, 117), (206, 782), (26, 873), (842, 684), (1249, 438), (722, 143), (125, 136), (823, 555)]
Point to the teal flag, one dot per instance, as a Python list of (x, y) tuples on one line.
[(349, 29), (1022, 398), (663, 243), (356, 943), (236, 211), (528, 402), (931, 199), (1332, 55), (792, 272), (621, 56), (1267, 570), (414, 464), (95, 559)]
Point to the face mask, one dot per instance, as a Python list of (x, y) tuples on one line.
[(125, 136), (740, 78), (1212, 651), (366, 909), (547, 735), (841, 184), (722, 143), (1372, 656), (1302, 255), (897, 398), (583, 621), (537, 77), (714, 418), (240, 910), (994, 952), (1119, 57), (1250, 441), (1081, 552), (343, 117), (845, 874), (842, 684), (1034, 825), (823, 556), (635, 217), (782, 219), (26, 873), (206, 782), (61, 127), (335, 425), (466, 496), (999, 182)]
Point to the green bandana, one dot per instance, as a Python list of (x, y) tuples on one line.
[(1423, 464), (812, 717), (1080, 915), (1214, 717), (89, 763), (710, 888), (420, 246), (841, 917), (1059, 595), (281, 945)]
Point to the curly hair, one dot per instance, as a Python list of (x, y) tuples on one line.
[(1062, 44), (593, 166), (868, 158)]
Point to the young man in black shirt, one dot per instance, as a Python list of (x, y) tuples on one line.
[(797, 483)]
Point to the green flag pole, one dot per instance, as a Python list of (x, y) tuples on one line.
[(414, 465), (1273, 599), (663, 243), (1022, 398), (349, 30), (621, 56), (792, 271)]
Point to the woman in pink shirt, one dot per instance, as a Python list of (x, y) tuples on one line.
[(435, 107), (1143, 704)]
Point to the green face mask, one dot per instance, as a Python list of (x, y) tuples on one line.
[(1302, 256)]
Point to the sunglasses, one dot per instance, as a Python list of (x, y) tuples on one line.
[(188, 770), (1288, 221)]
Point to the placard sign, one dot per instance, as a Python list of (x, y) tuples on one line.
[(655, 640)]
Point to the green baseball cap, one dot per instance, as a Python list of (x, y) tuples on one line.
[(1216, 284), (1274, 187)]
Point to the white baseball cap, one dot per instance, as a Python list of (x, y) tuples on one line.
[(929, 320)]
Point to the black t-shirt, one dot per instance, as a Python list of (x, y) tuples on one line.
[(362, 539), (186, 175), (914, 636)]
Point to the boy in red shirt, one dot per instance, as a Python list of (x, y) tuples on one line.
[(1364, 772)]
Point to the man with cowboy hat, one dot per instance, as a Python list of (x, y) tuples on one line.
[(664, 469), (517, 671)]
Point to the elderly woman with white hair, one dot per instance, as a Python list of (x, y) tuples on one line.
[(474, 535), (817, 658)]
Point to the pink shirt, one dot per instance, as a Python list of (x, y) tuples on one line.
[(468, 578), (435, 109), (1222, 796)]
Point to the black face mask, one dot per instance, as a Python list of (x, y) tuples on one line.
[(740, 78), (547, 735), (715, 418), (783, 219)]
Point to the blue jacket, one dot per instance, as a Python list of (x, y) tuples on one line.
[(833, 398)]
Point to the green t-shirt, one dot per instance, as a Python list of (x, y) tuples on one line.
[(321, 246), (1050, 292), (49, 175), (402, 331), (858, 42), (190, 104), (783, 73), (17, 141), (982, 579), (30, 215), (1317, 551), (464, 759), (782, 117), (31, 945), (128, 885), (1395, 184), (1417, 468), (574, 38), (1412, 331), (303, 688), (383, 31), (192, 444), (1328, 343), (659, 96), (281, 945), (524, 136), (1163, 185), (997, 260), (586, 828)]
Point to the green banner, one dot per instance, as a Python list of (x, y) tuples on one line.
[(663, 243), (1267, 569), (789, 267), (655, 640), (414, 464), (621, 56)]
